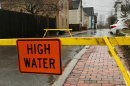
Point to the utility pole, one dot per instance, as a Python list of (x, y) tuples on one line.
[(81, 16), (81, 10), (91, 19), (0, 4), (91, 22)]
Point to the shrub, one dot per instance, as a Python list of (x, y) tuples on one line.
[(127, 22), (83, 28)]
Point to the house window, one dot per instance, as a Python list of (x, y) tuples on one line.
[(0, 4)]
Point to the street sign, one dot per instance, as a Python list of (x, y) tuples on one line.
[(39, 56)]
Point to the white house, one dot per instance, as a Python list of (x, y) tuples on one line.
[(75, 14), (85, 19), (80, 16), (117, 6)]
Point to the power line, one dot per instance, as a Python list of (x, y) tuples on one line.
[(95, 5), (102, 10), (100, 6)]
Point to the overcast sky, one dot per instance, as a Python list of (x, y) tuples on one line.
[(102, 7)]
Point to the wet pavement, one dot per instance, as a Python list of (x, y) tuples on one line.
[(68, 52), (10, 76), (96, 68), (103, 32)]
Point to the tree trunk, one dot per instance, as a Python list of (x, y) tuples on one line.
[(47, 23)]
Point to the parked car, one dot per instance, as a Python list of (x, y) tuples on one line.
[(119, 25), (60, 32)]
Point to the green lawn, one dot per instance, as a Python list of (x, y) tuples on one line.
[(126, 31)]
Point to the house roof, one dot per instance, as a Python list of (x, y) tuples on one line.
[(85, 13), (89, 11), (96, 14)]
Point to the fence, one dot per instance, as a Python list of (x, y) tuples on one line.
[(76, 27), (21, 25)]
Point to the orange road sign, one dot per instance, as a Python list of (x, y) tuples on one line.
[(39, 56)]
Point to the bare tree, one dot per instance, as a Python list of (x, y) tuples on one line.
[(111, 19), (127, 22), (34, 6), (125, 8), (101, 22)]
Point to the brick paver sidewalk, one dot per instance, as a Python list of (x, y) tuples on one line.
[(96, 68)]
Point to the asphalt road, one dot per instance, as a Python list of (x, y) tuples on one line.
[(9, 73)]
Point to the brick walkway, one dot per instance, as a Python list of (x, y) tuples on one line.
[(96, 68)]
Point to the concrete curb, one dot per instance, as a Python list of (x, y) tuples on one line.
[(60, 81), (76, 33)]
